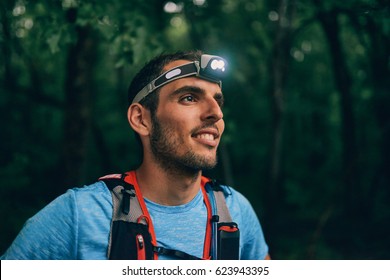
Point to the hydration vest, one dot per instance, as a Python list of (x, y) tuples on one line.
[(132, 234)]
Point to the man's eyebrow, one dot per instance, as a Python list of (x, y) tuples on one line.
[(185, 89), (193, 89)]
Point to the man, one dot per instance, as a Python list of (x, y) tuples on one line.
[(176, 112)]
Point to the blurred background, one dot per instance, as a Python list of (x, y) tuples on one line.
[(307, 111)]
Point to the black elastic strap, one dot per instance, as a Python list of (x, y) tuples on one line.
[(127, 194), (174, 253)]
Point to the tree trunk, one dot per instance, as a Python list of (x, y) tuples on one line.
[(330, 25), (79, 92), (279, 65), (380, 73), (9, 79)]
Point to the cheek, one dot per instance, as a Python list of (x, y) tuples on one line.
[(177, 128), (221, 126), (174, 120)]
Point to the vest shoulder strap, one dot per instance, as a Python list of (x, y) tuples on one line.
[(126, 206), (129, 236), (221, 207)]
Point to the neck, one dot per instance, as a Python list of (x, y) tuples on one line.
[(168, 187)]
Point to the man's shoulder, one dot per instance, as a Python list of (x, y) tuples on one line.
[(238, 204), (90, 192), (233, 195), (97, 186)]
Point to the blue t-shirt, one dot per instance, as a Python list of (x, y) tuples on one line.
[(76, 226)]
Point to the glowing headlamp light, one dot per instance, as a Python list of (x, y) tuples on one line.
[(210, 67)]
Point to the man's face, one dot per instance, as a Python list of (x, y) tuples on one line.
[(188, 124)]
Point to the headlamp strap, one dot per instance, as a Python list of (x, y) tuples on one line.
[(176, 73), (181, 71)]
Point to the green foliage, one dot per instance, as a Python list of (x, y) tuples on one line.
[(300, 186)]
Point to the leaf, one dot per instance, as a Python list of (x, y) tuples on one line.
[(53, 41)]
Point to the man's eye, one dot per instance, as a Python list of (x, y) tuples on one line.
[(188, 98), (220, 99)]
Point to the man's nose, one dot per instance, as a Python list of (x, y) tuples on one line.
[(212, 110)]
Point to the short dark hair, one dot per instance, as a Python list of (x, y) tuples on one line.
[(151, 71), (154, 68)]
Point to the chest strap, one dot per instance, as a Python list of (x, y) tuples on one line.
[(132, 233)]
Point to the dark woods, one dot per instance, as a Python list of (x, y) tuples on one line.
[(307, 108)]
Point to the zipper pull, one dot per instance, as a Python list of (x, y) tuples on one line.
[(140, 247)]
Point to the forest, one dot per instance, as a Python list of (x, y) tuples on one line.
[(307, 108)]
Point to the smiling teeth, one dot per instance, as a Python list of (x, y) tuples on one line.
[(205, 136)]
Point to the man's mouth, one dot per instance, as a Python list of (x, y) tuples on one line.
[(207, 136)]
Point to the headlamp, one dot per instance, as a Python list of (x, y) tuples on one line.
[(210, 67)]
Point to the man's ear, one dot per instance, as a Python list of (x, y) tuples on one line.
[(139, 119)]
